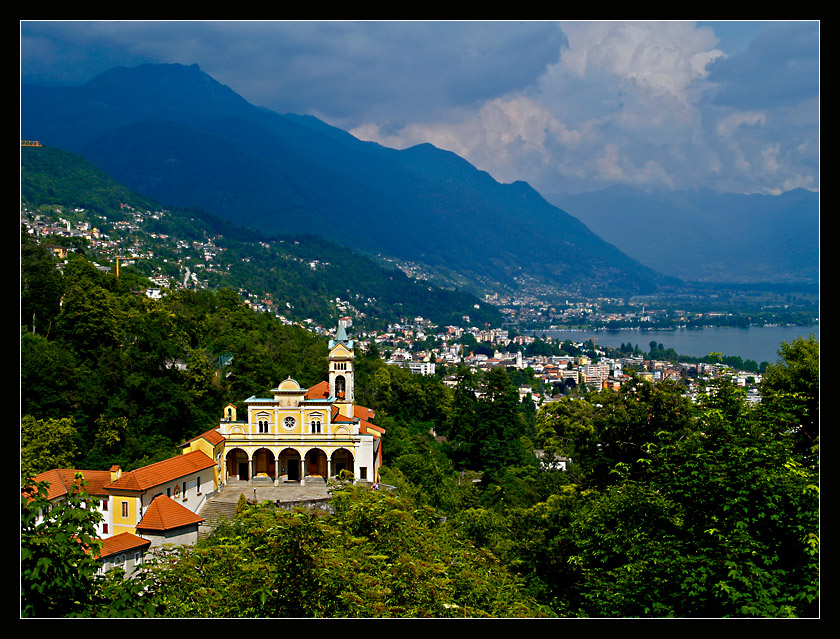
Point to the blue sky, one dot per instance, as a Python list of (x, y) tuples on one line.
[(565, 106)]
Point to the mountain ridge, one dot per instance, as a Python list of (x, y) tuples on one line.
[(173, 133), (701, 235), (287, 269)]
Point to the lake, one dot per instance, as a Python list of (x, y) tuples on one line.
[(758, 343)]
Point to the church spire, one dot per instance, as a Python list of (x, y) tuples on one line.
[(341, 338), (340, 333)]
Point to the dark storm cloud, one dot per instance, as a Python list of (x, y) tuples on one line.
[(565, 106), (780, 67), (346, 71)]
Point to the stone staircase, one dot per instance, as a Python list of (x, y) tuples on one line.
[(291, 495), (214, 511)]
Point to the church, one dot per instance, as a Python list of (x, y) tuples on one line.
[(304, 433), (297, 435)]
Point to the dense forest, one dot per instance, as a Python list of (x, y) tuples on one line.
[(667, 507)]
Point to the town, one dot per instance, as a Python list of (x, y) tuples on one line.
[(550, 367)]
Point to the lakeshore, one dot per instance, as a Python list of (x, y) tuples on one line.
[(757, 343)]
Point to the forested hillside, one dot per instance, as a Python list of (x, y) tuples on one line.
[(667, 508), (300, 276), (172, 132)]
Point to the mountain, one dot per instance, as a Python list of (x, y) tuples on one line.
[(301, 275), (706, 236), (173, 133)]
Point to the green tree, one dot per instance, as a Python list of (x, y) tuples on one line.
[(716, 518), (41, 287), (790, 389), (376, 555), (59, 560), (47, 444)]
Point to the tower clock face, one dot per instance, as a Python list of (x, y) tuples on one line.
[(289, 422)]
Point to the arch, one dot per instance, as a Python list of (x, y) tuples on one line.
[(264, 463), (316, 463), (237, 464), (340, 386), (290, 465), (262, 421), (315, 420), (342, 459)]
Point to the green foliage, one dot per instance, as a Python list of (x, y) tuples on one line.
[(58, 556), (790, 390), (716, 516), (138, 376), (58, 569), (41, 287), (376, 555), (46, 444)]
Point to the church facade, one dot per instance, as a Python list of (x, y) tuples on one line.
[(298, 433)]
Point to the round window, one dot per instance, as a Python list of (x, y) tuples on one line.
[(289, 422)]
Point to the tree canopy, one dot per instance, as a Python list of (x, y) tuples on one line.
[(669, 506)]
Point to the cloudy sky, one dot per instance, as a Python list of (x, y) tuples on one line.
[(565, 106)]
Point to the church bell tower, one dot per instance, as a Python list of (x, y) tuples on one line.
[(341, 371)]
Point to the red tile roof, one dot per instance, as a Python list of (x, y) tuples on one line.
[(212, 436), (365, 427), (122, 543), (61, 480), (363, 412), (165, 514), (339, 418), (153, 475), (321, 390)]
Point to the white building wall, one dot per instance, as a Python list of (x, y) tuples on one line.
[(198, 487)]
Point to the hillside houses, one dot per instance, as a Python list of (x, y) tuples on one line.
[(414, 343)]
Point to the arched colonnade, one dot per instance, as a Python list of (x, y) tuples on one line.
[(288, 464)]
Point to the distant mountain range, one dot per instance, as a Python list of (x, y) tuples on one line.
[(706, 236), (175, 134)]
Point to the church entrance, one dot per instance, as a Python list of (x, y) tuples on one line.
[(264, 463), (290, 464)]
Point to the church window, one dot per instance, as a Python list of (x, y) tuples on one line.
[(289, 422)]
